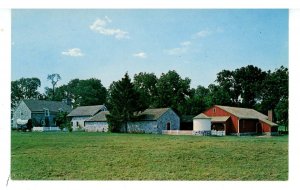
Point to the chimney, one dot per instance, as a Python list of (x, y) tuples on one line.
[(270, 115)]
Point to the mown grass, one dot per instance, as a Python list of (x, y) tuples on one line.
[(107, 156)]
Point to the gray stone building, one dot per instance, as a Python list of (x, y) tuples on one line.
[(149, 121), (38, 111), (97, 123), (82, 113)]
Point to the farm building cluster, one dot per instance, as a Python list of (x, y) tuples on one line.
[(217, 120)]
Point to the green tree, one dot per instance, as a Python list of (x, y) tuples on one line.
[(217, 96), (145, 83), (123, 102), (24, 88), (172, 91), (89, 92), (197, 101), (62, 121), (54, 78)]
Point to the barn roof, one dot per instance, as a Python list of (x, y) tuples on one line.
[(101, 116), (87, 110), (41, 105), (201, 116), (246, 113), (243, 113), (151, 114)]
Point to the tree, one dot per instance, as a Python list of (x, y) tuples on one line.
[(217, 96), (197, 101), (62, 120), (54, 78), (80, 92), (145, 83), (172, 91), (24, 88), (242, 86), (123, 102)]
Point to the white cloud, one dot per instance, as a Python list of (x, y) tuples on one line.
[(184, 47), (142, 55), (100, 26), (75, 52), (186, 43), (203, 33)]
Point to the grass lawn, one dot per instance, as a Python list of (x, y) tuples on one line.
[(108, 156)]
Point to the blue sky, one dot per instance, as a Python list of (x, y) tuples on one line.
[(107, 43)]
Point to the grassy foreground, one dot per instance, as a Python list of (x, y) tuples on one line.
[(106, 156)]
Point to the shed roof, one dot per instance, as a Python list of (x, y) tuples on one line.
[(219, 119), (101, 116), (201, 116), (41, 105), (87, 110)]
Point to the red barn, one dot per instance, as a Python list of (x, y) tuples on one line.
[(240, 121)]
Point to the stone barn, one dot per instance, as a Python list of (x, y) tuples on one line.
[(82, 113), (154, 120), (97, 123), (43, 113)]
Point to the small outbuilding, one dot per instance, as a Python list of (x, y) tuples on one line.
[(82, 113), (97, 123), (202, 125)]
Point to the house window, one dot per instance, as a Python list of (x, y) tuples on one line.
[(214, 110), (77, 123), (168, 126), (46, 111)]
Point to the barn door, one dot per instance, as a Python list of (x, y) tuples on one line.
[(259, 129), (168, 126)]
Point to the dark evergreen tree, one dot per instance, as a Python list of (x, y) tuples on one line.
[(124, 100)]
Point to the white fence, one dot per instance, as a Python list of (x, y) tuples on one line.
[(177, 132), (40, 129), (218, 133)]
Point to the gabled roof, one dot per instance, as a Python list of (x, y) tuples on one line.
[(101, 116), (152, 114), (246, 113), (201, 116), (41, 105), (243, 113), (87, 110)]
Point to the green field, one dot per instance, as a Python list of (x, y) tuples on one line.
[(108, 156)]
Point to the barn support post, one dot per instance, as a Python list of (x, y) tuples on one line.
[(238, 133), (224, 129)]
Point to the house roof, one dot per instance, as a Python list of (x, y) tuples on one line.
[(101, 116), (246, 113), (219, 119), (201, 116), (41, 105), (86, 110), (152, 114)]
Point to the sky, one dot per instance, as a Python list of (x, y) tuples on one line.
[(107, 43)]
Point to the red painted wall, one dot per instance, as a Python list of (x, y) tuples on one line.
[(231, 124)]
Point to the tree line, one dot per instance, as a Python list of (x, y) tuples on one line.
[(248, 87)]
